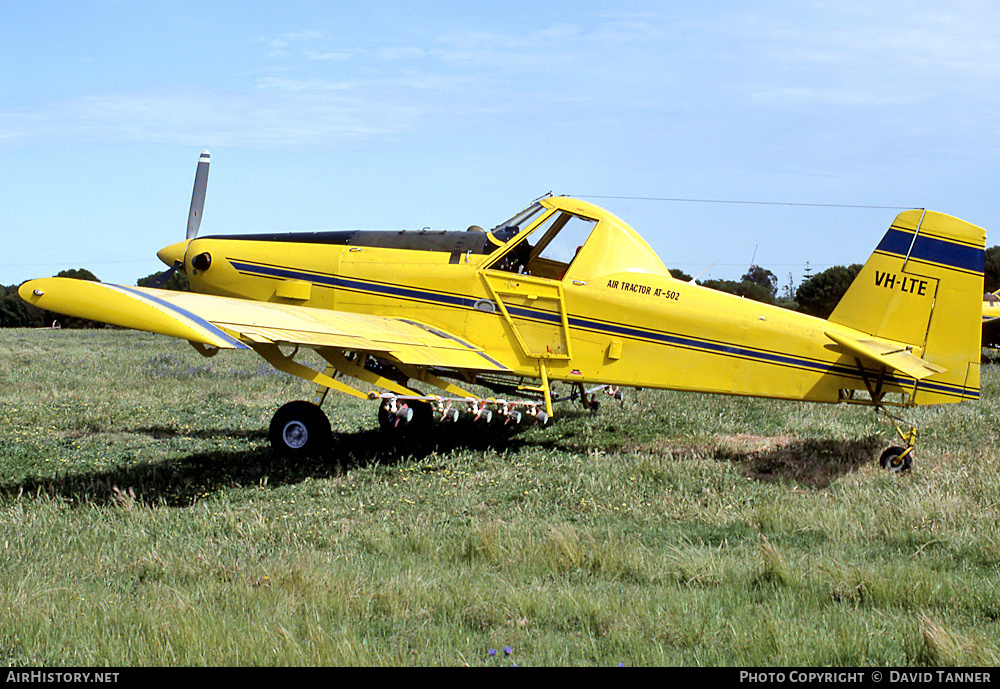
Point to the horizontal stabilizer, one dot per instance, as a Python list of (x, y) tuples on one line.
[(991, 307), (891, 355)]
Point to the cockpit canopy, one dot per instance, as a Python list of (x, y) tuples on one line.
[(560, 237)]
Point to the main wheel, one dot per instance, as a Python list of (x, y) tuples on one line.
[(895, 460), (299, 429)]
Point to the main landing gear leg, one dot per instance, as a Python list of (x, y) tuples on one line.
[(300, 428)]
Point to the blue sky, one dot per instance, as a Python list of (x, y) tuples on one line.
[(431, 114)]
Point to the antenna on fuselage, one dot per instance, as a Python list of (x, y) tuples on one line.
[(692, 280)]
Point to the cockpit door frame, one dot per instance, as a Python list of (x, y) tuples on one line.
[(535, 310)]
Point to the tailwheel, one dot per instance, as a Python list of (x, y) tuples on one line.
[(897, 459), (299, 429)]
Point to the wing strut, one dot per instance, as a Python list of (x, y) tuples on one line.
[(545, 389), (276, 358)]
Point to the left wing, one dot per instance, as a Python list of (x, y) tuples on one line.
[(229, 323)]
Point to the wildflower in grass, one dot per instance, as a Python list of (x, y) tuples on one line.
[(492, 652)]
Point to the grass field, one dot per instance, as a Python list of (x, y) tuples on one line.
[(143, 522)]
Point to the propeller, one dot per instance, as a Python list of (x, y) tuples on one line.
[(194, 217), (198, 196)]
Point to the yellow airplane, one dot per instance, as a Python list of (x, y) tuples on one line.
[(991, 319), (563, 292)]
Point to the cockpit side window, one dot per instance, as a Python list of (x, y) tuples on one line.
[(564, 239), (550, 248)]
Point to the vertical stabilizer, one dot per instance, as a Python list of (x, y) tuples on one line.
[(923, 287)]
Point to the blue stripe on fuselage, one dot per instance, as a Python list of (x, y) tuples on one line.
[(347, 283), (721, 348)]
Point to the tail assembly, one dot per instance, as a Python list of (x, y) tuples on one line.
[(923, 288)]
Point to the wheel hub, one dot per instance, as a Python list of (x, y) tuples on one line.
[(295, 434)]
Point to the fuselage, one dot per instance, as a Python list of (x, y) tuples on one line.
[(610, 314)]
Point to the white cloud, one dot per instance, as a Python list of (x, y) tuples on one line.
[(749, 70), (270, 118), (279, 47), (342, 55), (868, 54)]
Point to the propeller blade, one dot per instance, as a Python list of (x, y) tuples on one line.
[(160, 280), (198, 196)]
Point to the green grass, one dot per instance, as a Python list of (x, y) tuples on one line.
[(144, 522)]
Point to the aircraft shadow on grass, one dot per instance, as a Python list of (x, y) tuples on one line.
[(813, 462), (182, 482)]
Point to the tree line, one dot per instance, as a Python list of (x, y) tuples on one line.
[(817, 295), (17, 313)]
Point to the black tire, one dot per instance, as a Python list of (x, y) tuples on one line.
[(299, 429), (894, 460), (385, 420)]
